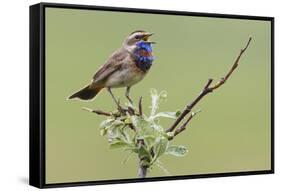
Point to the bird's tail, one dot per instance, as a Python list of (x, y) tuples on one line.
[(87, 93)]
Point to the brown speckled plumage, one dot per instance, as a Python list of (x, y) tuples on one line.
[(120, 70)]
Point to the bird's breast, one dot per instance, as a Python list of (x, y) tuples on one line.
[(143, 59), (128, 75), (143, 56)]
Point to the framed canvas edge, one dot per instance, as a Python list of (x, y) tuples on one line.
[(37, 163), (35, 97)]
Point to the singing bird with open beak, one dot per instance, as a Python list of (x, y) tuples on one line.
[(125, 67)]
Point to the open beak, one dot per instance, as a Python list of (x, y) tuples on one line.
[(146, 37)]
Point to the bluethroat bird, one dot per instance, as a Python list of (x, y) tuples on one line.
[(125, 67)]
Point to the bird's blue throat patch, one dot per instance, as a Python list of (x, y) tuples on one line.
[(143, 55)]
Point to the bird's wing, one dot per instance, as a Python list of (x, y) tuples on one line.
[(111, 65)]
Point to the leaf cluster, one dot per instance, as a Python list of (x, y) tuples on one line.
[(142, 134)]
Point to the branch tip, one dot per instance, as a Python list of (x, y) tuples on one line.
[(210, 80), (207, 89), (87, 109)]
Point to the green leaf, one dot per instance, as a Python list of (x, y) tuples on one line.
[(128, 120), (149, 140), (118, 144), (106, 123), (134, 149), (159, 148), (103, 132), (178, 113), (139, 122), (154, 101), (126, 136), (142, 126), (117, 123), (178, 151), (157, 127), (163, 96), (167, 114), (144, 153), (114, 128), (156, 98), (113, 133)]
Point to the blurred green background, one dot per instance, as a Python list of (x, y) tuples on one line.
[(231, 134)]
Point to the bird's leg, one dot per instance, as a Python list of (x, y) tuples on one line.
[(115, 100), (113, 97), (128, 95)]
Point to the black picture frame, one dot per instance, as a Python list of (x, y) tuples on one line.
[(37, 94)]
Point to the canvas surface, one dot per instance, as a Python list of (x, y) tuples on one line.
[(231, 134)]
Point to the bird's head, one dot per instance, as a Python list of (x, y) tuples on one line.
[(135, 37)]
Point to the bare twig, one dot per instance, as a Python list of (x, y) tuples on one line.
[(234, 66), (190, 106), (131, 111), (142, 170), (140, 106), (132, 127), (183, 126), (99, 112), (207, 89)]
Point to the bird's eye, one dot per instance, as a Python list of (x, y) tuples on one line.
[(137, 37)]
